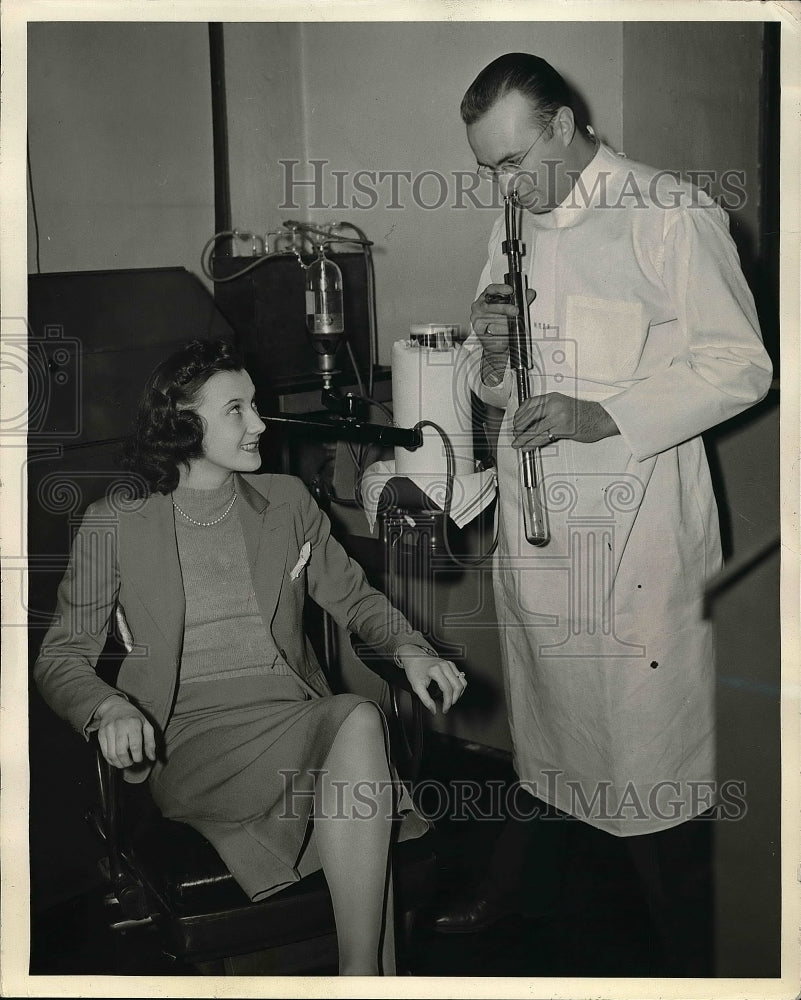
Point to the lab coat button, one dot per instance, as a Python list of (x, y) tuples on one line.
[(282, 652)]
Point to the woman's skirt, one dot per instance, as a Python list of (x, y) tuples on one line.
[(240, 766)]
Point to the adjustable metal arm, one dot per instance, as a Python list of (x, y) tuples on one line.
[(350, 429)]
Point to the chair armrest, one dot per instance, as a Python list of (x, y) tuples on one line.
[(406, 727), (109, 823)]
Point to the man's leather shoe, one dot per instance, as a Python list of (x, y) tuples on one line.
[(469, 916)]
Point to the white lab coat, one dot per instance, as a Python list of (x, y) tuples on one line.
[(608, 661)]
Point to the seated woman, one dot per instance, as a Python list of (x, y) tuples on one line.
[(220, 704)]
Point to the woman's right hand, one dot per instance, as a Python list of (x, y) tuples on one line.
[(125, 734)]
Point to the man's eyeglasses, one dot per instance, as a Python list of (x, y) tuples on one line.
[(509, 166)]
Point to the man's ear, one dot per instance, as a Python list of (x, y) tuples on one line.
[(564, 125)]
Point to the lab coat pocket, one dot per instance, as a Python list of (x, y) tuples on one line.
[(608, 334)]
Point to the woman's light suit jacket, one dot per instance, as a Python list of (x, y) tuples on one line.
[(124, 563)]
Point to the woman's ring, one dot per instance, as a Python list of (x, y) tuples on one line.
[(461, 674)]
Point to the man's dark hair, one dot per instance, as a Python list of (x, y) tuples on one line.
[(533, 77), (168, 431)]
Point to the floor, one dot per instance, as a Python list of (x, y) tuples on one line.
[(595, 925), (598, 925)]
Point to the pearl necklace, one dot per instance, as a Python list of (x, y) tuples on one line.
[(206, 524)]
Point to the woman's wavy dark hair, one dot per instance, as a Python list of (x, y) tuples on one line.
[(168, 432)]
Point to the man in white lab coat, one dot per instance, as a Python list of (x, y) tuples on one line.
[(644, 335)]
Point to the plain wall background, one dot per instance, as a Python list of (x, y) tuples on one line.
[(119, 120), (700, 112), (266, 102)]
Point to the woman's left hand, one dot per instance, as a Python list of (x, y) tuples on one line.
[(422, 668)]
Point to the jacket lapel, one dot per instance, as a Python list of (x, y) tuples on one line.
[(155, 572), (266, 528)]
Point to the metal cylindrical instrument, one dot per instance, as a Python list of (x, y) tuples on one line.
[(534, 512)]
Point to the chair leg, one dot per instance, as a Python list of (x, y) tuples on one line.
[(405, 927)]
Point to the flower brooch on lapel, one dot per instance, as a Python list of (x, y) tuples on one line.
[(123, 629), (305, 554)]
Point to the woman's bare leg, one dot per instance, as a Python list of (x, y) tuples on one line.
[(353, 839)]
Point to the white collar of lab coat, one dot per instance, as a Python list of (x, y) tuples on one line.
[(588, 191)]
